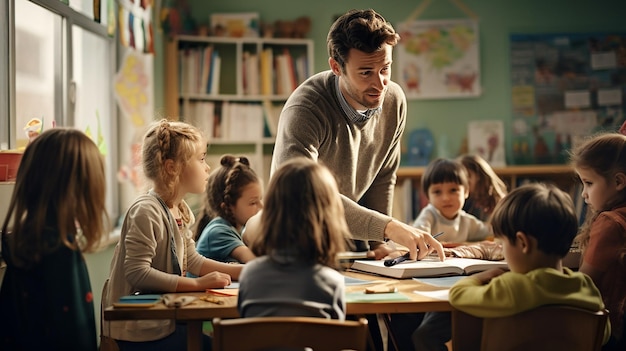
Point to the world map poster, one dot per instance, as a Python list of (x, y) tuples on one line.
[(563, 88), (439, 59)]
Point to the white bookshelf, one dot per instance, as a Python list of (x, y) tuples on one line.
[(186, 90)]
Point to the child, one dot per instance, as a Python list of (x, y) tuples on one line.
[(600, 162), (303, 228), (233, 195), (156, 248), (536, 224), (485, 187), (57, 211), (445, 184)]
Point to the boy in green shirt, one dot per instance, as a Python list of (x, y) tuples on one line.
[(536, 224)]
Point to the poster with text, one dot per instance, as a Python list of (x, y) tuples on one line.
[(564, 86), (439, 59)]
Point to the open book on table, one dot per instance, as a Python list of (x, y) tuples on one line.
[(428, 267)]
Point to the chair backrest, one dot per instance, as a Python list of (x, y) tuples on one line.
[(551, 327), (107, 343), (266, 333)]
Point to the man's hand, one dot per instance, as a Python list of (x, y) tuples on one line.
[(419, 243), (381, 249)]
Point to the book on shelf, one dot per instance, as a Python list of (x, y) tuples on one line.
[(286, 80), (283, 80), (224, 122), (428, 267), (187, 69), (205, 68), (250, 73), (271, 112), (214, 75), (245, 121), (267, 71), (200, 114), (302, 68)]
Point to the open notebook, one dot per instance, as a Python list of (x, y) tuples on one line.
[(428, 267)]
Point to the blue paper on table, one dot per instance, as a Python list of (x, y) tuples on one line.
[(147, 300), (141, 298), (354, 281), (360, 296), (443, 282)]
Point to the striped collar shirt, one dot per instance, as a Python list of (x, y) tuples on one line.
[(353, 115)]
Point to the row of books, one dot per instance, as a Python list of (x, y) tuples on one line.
[(234, 121), (279, 74), (264, 73), (199, 70)]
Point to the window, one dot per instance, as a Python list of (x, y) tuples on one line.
[(58, 63)]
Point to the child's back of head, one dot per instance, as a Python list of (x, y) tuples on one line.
[(303, 216), (541, 211), (60, 188)]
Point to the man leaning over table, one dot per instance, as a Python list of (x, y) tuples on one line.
[(351, 118)]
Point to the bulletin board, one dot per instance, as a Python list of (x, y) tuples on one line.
[(564, 87)]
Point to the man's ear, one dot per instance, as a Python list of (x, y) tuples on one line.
[(620, 181), (334, 66)]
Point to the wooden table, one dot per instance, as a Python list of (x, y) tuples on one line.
[(195, 313)]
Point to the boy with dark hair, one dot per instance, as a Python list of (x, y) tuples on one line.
[(536, 224)]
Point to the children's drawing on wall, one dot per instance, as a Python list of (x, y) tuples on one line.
[(564, 87), (135, 25), (486, 139), (99, 140), (33, 128), (130, 171), (439, 59), (132, 88)]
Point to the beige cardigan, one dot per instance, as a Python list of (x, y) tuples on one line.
[(142, 262)]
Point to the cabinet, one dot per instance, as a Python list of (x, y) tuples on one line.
[(407, 197), (233, 89)]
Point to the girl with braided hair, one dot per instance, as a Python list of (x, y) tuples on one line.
[(156, 247), (233, 194)]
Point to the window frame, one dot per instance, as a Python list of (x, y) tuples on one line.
[(64, 104)]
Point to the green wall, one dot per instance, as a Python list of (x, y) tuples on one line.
[(446, 118)]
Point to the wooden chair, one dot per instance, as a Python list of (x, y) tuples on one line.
[(551, 327), (106, 343), (265, 333)]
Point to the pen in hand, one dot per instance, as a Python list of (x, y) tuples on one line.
[(394, 261)]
